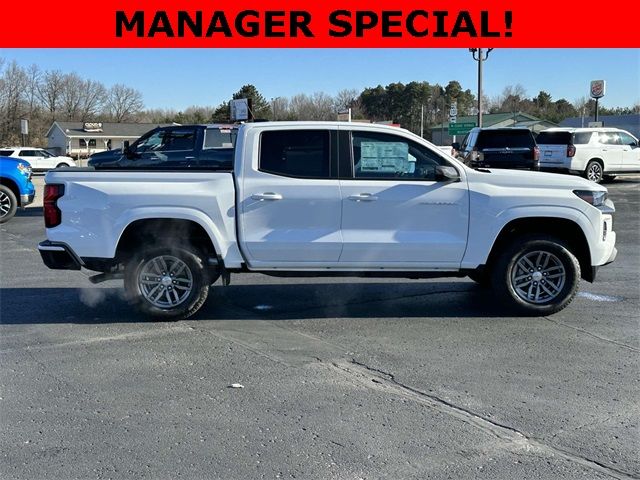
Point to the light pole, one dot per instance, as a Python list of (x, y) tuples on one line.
[(480, 55)]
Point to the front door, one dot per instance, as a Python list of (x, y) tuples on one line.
[(394, 211), (630, 152), (289, 203)]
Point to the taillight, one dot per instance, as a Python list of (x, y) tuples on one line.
[(571, 150), (52, 214), (536, 153)]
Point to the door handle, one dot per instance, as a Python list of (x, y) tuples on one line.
[(189, 158), (363, 197), (266, 196)]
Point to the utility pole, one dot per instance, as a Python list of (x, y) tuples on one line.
[(480, 55), (422, 122)]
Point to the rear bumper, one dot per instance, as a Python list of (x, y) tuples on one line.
[(59, 256)]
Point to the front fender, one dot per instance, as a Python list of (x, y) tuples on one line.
[(484, 231)]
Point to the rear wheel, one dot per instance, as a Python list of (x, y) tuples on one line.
[(167, 283), (8, 204), (536, 275), (594, 171)]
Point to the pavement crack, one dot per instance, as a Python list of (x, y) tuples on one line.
[(593, 335), (512, 438)]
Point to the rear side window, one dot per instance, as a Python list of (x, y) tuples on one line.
[(5, 153), (609, 138), (505, 138), (554, 138), (296, 153), (178, 140), (28, 153)]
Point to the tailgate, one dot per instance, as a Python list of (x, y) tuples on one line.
[(507, 157), (552, 153)]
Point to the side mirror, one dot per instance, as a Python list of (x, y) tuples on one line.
[(455, 145), (126, 149), (446, 174)]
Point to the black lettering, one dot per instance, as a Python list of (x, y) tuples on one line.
[(484, 25), (365, 20), (137, 21), (271, 21), (464, 24), (195, 26), (300, 20), (160, 24), (218, 17), (345, 25), (411, 23), (441, 31), (249, 28), (388, 22)]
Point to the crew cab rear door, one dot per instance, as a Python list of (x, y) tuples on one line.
[(394, 212), (289, 200)]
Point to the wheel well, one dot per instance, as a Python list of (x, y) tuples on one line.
[(11, 185), (566, 230), (596, 159), (168, 231)]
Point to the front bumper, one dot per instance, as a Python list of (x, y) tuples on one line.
[(59, 256), (26, 199)]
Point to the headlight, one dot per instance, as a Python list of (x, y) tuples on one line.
[(25, 169), (595, 198)]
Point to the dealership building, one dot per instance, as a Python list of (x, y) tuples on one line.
[(79, 140)]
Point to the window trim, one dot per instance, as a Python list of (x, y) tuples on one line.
[(393, 179), (332, 135)]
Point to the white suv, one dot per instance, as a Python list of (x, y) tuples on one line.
[(39, 158), (595, 153)]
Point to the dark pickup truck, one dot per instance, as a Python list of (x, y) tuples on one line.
[(500, 148), (175, 146)]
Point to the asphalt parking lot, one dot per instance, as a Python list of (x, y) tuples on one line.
[(342, 379)]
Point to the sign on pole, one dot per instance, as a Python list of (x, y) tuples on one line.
[(24, 127), (598, 88), (239, 109), (460, 128)]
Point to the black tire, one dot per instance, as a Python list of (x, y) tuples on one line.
[(62, 165), (594, 171), (555, 287), (8, 204), (187, 303), (608, 178)]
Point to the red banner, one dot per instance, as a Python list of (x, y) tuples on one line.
[(336, 24)]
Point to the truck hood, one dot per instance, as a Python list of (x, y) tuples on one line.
[(528, 179)]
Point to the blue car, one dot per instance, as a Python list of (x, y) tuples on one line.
[(16, 189)]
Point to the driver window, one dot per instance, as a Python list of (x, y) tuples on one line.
[(152, 142), (389, 157)]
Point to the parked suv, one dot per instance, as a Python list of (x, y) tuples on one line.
[(595, 153), (499, 148), (16, 189), (38, 158)]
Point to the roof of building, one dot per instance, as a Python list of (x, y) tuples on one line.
[(109, 129), (489, 119)]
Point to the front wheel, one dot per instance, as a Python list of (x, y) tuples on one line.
[(8, 204), (536, 275), (167, 283), (60, 165)]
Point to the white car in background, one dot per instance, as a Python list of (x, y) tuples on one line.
[(39, 158), (595, 153)]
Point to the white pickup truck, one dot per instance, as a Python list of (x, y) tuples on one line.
[(328, 199)]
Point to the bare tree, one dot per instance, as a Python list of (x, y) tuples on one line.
[(123, 103), (13, 84), (71, 95), (50, 91), (92, 100)]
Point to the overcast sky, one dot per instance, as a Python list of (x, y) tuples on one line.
[(178, 78)]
